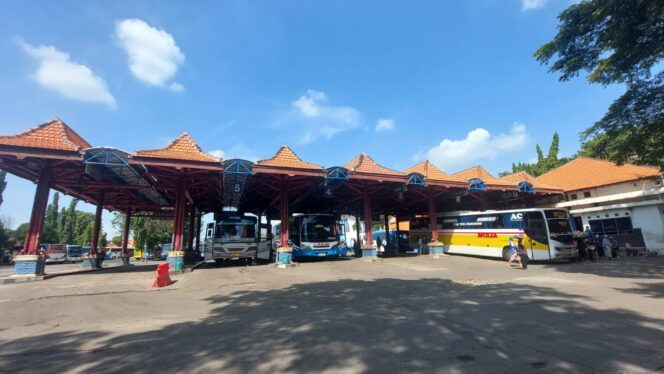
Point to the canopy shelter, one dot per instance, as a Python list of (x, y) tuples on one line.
[(181, 179), (54, 156), (191, 178)]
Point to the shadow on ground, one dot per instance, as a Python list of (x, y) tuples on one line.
[(381, 326), (622, 267)]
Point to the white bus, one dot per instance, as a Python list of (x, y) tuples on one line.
[(547, 233), (233, 236)]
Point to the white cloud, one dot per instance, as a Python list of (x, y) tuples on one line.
[(384, 125), (239, 150), (217, 153), (153, 55), (314, 117), (532, 4), (478, 145), (57, 72)]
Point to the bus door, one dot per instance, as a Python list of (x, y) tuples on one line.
[(535, 228)]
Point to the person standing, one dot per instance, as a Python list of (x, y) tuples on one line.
[(523, 254), (608, 246), (599, 246)]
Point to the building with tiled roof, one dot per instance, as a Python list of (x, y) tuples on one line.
[(621, 201), (52, 135), (478, 172), (522, 176), (433, 174), (286, 158), (183, 148), (584, 172), (364, 164)]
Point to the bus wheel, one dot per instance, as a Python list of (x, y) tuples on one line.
[(506, 253), (218, 262)]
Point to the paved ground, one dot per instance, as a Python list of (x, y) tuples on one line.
[(415, 315)]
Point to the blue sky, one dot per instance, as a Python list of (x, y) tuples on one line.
[(452, 81)]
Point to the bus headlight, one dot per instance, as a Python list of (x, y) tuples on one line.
[(558, 249)]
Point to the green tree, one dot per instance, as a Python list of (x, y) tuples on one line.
[(543, 164), (148, 232), (50, 229), (616, 42), (3, 184), (67, 223), (21, 231)]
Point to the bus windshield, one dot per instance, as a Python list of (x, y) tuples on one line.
[(241, 231), (319, 229), (559, 226)]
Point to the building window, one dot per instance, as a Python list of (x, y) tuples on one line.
[(612, 226), (573, 196), (586, 194)]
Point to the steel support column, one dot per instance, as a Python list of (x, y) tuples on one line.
[(96, 228), (125, 232), (283, 212), (357, 231), (433, 221), (180, 212), (386, 219), (31, 242), (192, 224), (198, 231), (398, 233), (367, 218)]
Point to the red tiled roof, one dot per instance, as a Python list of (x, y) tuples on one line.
[(432, 173), (286, 158), (362, 163), (481, 173), (522, 176), (182, 148), (584, 172), (55, 135)]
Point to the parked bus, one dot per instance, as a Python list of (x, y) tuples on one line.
[(547, 233), (390, 247), (233, 236), (54, 252), (74, 253), (313, 235)]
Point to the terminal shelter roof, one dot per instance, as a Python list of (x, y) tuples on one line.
[(286, 158), (584, 172), (364, 164), (183, 148), (522, 176), (53, 135), (481, 173), (433, 174)]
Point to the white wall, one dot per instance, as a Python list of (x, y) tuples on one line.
[(650, 220)]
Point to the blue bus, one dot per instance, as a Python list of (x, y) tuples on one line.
[(313, 235)]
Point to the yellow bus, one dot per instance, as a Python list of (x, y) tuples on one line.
[(547, 233)]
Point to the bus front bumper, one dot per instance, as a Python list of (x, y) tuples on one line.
[(333, 252)]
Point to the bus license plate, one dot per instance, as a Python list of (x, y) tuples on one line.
[(322, 254), (235, 255)]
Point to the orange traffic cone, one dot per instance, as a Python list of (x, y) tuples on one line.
[(163, 279)]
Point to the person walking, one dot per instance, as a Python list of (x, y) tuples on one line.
[(514, 252)]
